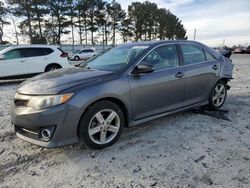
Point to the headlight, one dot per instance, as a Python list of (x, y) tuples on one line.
[(41, 102)]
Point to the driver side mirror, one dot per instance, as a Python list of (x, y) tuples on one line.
[(142, 68), (2, 57)]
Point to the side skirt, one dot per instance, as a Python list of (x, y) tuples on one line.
[(133, 123)]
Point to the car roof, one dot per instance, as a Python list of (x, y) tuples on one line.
[(159, 42), (27, 46), (34, 46)]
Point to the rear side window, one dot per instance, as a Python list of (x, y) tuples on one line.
[(48, 51), (209, 56), (34, 52), (192, 54), (162, 57), (14, 54)]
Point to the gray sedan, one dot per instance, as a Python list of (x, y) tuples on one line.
[(126, 86)]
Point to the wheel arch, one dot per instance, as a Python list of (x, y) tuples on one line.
[(225, 80), (51, 64), (115, 100)]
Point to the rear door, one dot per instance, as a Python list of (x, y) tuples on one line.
[(37, 58), (159, 91), (14, 63), (201, 70)]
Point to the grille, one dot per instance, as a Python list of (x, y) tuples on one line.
[(21, 103)]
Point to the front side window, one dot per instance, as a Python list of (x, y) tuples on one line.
[(192, 54), (162, 57), (14, 54)]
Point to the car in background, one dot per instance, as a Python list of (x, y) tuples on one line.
[(239, 50), (128, 85), (83, 54), (248, 50), (25, 61)]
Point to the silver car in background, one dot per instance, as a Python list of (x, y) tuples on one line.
[(83, 54), (128, 85)]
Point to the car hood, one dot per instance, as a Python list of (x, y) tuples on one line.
[(59, 80)]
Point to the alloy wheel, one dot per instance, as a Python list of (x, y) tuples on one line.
[(104, 126), (219, 94)]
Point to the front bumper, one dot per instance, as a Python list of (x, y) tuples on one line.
[(62, 119)]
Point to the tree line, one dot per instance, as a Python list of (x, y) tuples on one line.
[(98, 21)]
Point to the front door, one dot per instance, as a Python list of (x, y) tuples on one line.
[(159, 91), (14, 63)]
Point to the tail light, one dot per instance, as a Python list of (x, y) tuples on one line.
[(64, 54)]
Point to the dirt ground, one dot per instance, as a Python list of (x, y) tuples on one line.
[(181, 150)]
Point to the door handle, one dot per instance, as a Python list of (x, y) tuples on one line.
[(22, 61), (215, 67), (179, 75)]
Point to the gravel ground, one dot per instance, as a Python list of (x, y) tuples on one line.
[(181, 150)]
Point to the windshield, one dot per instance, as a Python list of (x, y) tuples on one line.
[(115, 59), (2, 52)]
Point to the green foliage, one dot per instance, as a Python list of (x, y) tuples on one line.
[(3, 13), (127, 30), (150, 22), (117, 15), (46, 21)]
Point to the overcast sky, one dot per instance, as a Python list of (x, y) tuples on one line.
[(214, 20)]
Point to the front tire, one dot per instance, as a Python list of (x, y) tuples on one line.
[(217, 96), (101, 125)]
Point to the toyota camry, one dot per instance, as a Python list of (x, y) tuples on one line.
[(126, 86)]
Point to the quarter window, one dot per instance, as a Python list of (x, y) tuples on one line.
[(162, 57), (192, 54), (209, 56)]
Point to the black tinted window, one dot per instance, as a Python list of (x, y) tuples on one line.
[(192, 54), (86, 51), (48, 51), (162, 57), (33, 52)]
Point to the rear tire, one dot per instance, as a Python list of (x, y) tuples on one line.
[(52, 68), (217, 96), (101, 125)]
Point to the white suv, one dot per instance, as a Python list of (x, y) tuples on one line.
[(29, 60)]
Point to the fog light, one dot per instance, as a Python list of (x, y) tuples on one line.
[(46, 133)]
